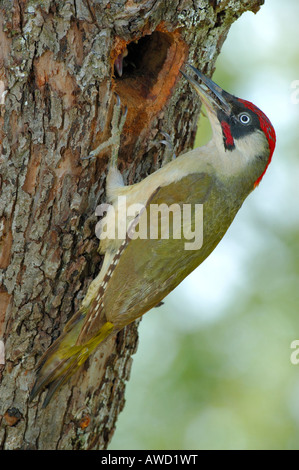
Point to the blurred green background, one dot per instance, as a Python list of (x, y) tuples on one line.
[(213, 367)]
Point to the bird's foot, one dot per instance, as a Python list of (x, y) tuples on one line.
[(169, 151), (117, 124)]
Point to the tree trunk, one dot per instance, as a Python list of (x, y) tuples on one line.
[(56, 85)]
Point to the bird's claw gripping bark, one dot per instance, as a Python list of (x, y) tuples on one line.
[(117, 123), (169, 152)]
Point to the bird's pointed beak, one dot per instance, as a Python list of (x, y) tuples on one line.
[(210, 93), (118, 64)]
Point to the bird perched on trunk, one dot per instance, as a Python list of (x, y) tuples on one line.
[(139, 271)]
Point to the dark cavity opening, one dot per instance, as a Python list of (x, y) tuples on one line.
[(145, 58)]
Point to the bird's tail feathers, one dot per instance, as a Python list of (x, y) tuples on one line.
[(65, 357)]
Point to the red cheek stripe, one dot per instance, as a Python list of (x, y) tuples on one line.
[(227, 136)]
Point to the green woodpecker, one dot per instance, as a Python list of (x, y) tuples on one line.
[(138, 272)]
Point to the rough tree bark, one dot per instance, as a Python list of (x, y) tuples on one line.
[(56, 84)]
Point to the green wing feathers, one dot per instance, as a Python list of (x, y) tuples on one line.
[(133, 280)]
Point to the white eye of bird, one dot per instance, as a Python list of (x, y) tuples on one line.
[(244, 118)]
